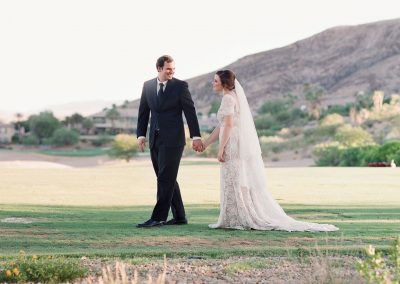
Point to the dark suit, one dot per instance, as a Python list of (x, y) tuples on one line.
[(166, 145)]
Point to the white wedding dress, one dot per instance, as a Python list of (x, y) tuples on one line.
[(245, 200)]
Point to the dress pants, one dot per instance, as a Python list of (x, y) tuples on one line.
[(166, 164)]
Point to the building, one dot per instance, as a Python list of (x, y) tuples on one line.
[(125, 122), (6, 133)]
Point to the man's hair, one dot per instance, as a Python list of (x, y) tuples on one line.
[(162, 60)]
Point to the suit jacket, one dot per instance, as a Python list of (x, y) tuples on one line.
[(167, 112)]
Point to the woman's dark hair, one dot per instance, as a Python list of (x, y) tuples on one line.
[(162, 60), (227, 78)]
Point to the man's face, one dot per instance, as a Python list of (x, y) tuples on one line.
[(167, 72)]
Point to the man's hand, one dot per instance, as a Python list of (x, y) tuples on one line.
[(142, 143), (197, 145)]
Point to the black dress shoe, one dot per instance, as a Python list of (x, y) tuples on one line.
[(176, 222), (150, 223)]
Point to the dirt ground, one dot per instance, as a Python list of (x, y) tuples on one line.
[(317, 269)]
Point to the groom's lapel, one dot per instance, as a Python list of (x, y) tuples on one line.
[(153, 93)]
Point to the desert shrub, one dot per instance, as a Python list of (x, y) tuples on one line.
[(353, 136), (339, 109), (375, 268), (332, 119), (267, 121), (124, 147), (52, 269), (274, 106), (319, 134)]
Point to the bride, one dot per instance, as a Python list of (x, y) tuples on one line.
[(245, 200)]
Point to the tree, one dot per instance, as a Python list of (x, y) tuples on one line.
[(43, 125), (18, 124), (313, 95), (87, 124), (113, 114), (124, 147), (125, 104), (74, 121)]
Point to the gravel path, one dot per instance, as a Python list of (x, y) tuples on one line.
[(239, 270)]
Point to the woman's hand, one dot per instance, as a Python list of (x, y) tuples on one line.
[(221, 157), (205, 145)]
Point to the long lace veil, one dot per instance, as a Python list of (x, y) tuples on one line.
[(248, 139)]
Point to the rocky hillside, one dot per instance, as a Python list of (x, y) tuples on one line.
[(343, 60)]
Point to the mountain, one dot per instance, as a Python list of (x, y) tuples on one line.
[(342, 60)]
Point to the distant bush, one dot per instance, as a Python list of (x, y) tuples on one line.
[(334, 154), (64, 137), (389, 151), (343, 110), (278, 114), (15, 139), (353, 136), (30, 140), (124, 147), (319, 134), (102, 140), (328, 155), (332, 119)]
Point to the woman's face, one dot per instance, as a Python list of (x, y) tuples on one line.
[(217, 86)]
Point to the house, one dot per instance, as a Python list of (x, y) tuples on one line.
[(6, 133), (124, 122)]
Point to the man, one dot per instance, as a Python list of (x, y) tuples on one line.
[(166, 98)]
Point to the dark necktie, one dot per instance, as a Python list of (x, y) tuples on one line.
[(161, 90), (159, 98)]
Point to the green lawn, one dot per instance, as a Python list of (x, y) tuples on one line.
[(90, 152), (110, 231)]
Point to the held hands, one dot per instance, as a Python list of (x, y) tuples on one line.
[(198, 145), (142, 143)]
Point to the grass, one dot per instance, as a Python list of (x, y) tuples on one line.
[(92, 212), (90, 152), (134, 184), (110, 231)]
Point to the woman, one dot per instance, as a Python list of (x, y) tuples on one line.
[(245, 201)]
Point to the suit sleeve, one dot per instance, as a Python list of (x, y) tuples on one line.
[(189, 111), (143, 115)]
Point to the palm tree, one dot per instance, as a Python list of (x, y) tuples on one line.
[(313, 95), (113, 114)]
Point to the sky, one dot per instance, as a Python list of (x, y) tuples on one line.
[(56, 52)]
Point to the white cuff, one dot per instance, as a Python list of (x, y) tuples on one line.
[(196, 138), (141, 137)]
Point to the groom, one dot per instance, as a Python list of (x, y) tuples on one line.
[(165, 98)]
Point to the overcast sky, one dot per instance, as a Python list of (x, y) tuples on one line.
[(54, 52)]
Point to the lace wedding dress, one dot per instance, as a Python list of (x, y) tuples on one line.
[(245, 200)]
